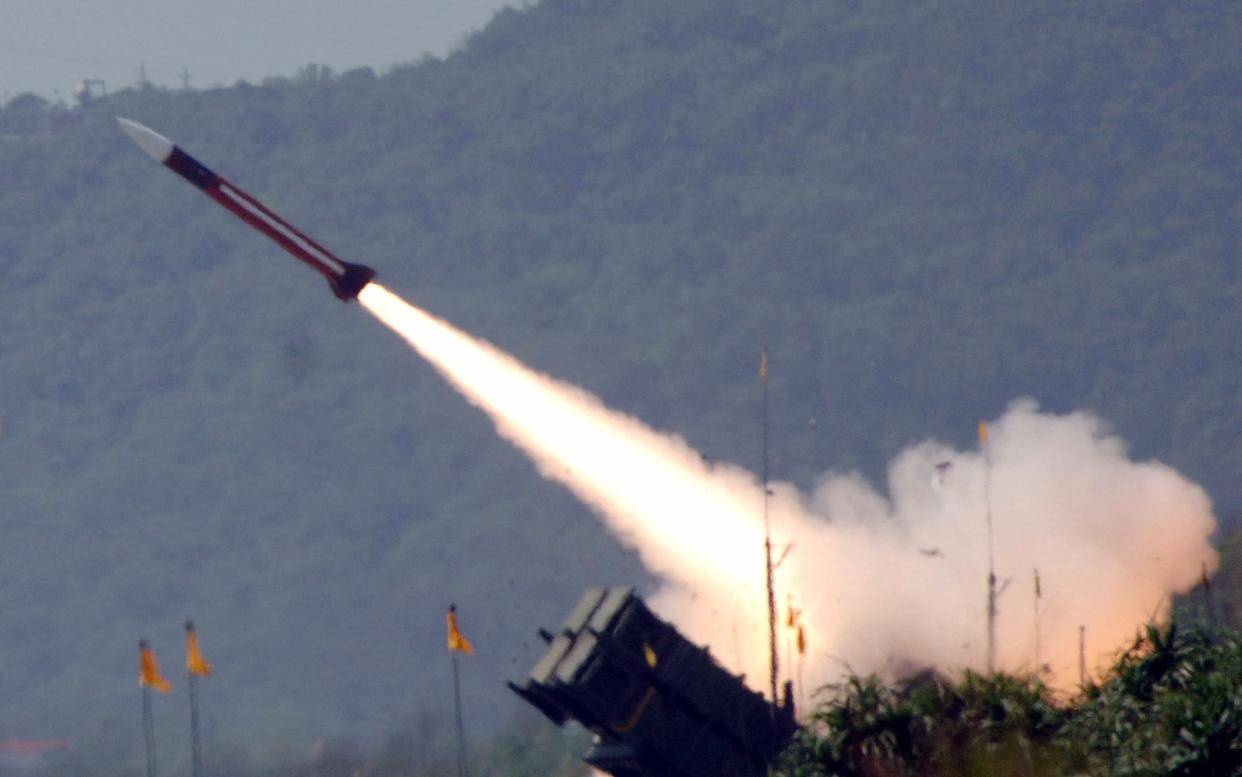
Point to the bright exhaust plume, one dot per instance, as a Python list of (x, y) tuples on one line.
[(885, 582)]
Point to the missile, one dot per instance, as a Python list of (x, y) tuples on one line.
[(346, 279)]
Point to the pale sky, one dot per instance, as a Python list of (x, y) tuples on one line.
[(49, 46)]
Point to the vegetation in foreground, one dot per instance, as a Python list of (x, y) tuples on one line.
[(1170, 705)]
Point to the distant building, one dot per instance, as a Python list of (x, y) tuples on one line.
[(90, 90)]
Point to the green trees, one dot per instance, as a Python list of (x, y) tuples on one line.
[(1168, 706), (931, 726)]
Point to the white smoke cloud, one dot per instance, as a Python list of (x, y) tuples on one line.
[(885, 581)]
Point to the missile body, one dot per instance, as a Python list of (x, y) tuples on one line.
[(346, 279)]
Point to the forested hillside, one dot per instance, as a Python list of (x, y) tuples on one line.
[(924, 211)]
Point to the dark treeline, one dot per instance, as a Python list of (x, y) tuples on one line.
[(924, 212)]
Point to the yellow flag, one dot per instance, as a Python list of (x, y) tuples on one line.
[(791, 614), (194, 660), (650, 655), (151, 676), (763, 367), (456, 641), (983, 432)]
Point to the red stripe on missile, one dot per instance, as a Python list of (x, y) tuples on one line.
[(251, 211), (346, 279)]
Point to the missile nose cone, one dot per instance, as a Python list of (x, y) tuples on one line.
[(156, 145)]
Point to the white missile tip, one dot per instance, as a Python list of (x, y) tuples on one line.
[(156, 145)]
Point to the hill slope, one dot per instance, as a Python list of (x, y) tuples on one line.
[(924, 212)]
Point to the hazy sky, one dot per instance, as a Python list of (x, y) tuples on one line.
[(49, 46)]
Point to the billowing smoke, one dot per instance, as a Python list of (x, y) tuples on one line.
[(884, 582)]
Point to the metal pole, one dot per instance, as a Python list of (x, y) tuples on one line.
[(148, 730), (1207, 601), (789, 638), (461, 730), (801, 687), (1082, 656), (987, 498), (196, 752), (767, 544), (1038, 595)]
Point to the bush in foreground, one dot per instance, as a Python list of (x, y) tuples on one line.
[(1170, 705)]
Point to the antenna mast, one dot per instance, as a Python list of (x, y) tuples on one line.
[(767, 540), (987, 498)]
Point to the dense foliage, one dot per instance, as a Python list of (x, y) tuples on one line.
[(924, 210), (1169, 706)]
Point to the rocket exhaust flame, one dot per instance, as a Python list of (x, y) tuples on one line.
[(559, 426), (1112, 538)]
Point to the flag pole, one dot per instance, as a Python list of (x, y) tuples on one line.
[(1206, 585), (148, 730), (801, 687), (1082, 657), (773, 667), (790, 619), (457, 643), (1038, 596), (987, 500), (149, 677), (461, 729), (801, 660), (148, 718), (194, 665), (196, 751)]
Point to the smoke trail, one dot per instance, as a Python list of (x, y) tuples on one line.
[(884, 583)]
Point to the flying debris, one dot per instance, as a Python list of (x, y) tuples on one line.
[(346, 279)]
